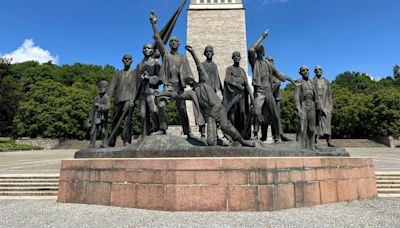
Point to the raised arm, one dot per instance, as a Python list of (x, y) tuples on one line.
[(159, 41), (282, 77), (203, 76), (252, 50)]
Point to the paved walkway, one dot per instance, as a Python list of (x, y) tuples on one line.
[(48, 161), (385, 159), (44, 213), (33, 162)]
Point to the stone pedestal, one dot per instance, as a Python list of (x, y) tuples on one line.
[(216, 184)]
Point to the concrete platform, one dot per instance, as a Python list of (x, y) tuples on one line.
[(216, 184)]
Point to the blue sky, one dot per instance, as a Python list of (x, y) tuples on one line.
[(339, 35)]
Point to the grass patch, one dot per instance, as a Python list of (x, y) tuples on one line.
[(11, 145)]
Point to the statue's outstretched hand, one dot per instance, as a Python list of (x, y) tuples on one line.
[(266, 33), (153, 17), (189, 48)]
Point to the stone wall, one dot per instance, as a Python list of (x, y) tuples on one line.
[(216, 184), (44, 143)]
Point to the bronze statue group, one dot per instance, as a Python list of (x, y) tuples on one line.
[(235, 113)]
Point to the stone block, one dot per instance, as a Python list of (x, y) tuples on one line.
[(283, 177), (312, 162), (101, 164), (242, 198), (283, 196), (150, 177), (236, 177), (181, 198), (312, 195), (248, 163), (98, 193), (310, 175), (150, 197), (209, 177), (75, 164), (327, 174), (198, 164), (72, 192), (347, 190), (284, 163), (100, 176), (296, 175), (68, 175), (328, 192), (123, 195), (118, 176), (266, 195), (212, 198), (179, 177)]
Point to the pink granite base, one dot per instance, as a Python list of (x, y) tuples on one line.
[(216, 184)]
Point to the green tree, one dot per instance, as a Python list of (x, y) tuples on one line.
[(384, 117), (51, 109), (289, 116)]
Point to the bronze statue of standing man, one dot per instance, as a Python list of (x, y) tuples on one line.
[(263, 72), (236, 96), (149, 70), (123, 89), (306, 101), (215, 82), (324, 116), (175, 68)]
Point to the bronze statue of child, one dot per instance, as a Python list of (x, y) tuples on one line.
[(98, 118)]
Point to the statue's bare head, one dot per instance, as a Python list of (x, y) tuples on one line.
[(127, 60), (209, 52), (236, 57), (318, 71), (260, 50), (103, 86), (304, 71), (174, 43), (148, 50)]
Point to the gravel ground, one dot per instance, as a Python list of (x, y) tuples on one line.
[(48, 213)]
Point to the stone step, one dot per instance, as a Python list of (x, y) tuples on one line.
[(389, 195), (28, 176), (388, 191), (387, 177), (383, 186), (27, 180), (29, 189), (33, 193), (387, 181), (387, 173), (29, 184)]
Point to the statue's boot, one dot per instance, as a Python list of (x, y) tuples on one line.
[(329, 142)]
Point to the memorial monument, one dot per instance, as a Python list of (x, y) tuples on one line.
[(173, 173)]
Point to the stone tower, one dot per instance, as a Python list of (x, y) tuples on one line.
[(222, 24)]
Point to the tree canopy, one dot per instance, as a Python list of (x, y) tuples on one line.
[(54, 101)]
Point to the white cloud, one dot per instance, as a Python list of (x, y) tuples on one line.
[(28, 51)]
